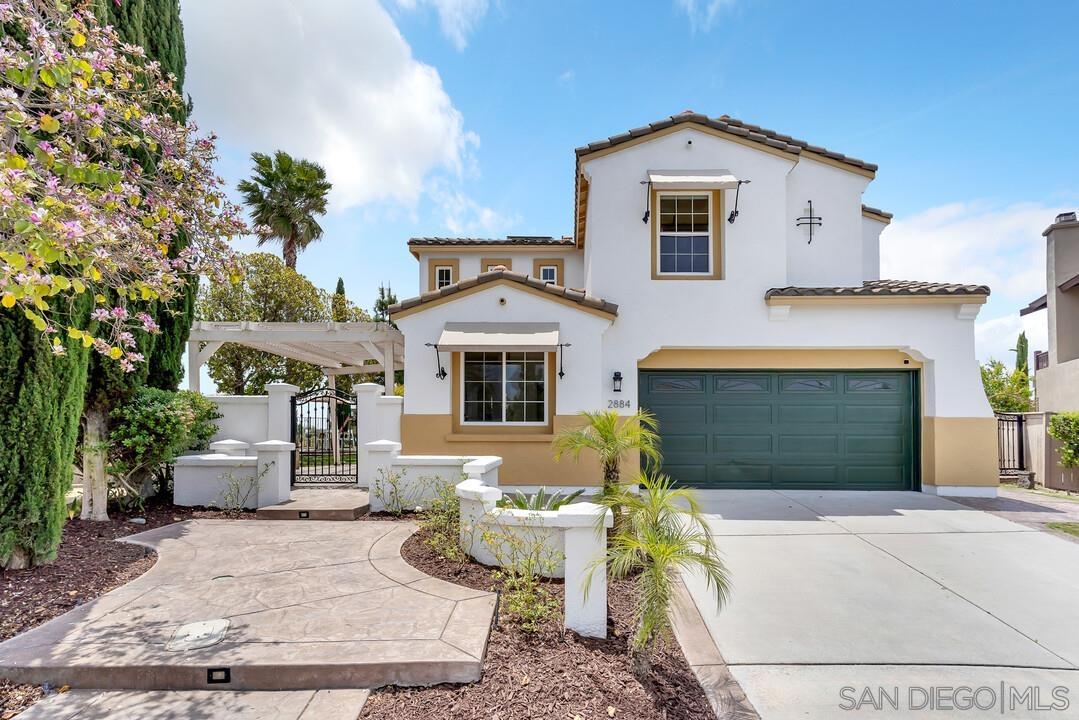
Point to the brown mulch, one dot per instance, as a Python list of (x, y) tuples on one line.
[(87, 566), (548, 673)]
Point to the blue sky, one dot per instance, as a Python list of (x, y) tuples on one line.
[(459, 117)]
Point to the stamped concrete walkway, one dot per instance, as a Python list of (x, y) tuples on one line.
[(901, 591), (199, 705), (306, 605)]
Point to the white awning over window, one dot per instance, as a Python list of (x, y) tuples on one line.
[(692, 179), (482, 336)]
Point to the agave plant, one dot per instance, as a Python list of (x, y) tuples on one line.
[(540, 501), (662, 532)]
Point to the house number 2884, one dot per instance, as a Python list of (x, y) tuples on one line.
[(619, 403)]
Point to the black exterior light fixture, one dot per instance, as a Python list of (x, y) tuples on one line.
[(441, 372), (617, 379), (647, 201), (737, 191)]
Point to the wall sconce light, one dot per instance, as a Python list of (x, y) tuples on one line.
[(737, 191), (617, 381)]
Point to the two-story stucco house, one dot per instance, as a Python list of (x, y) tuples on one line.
[(1057, 370), (725, 277)]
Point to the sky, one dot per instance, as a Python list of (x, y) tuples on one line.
[(459, 117)]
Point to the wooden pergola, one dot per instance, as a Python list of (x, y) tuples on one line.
[(347, 348)]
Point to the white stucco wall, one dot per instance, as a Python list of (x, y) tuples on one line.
[(522, 262), (243, 417), (579, 390), (871, 230)]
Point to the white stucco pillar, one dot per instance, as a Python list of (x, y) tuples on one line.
[(194, 367), (380, 457), (232, 448), (585, 550), (274, 469), (279, 413), (367, 395)]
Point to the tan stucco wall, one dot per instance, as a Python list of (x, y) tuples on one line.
[(527, 459), (959, 451), (1058, 387)]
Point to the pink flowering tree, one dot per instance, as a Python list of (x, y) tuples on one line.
[(97, 181)]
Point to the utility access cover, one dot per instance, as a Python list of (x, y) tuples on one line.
[(198, 635)]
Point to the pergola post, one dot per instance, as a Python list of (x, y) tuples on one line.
[(196, 357), (335, 442), (388, 366)]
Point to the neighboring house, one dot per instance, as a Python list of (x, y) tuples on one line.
[(1056, 373), (750, 318)]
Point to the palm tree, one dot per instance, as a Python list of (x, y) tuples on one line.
[(285, 195), (662, 532), (610, 435)]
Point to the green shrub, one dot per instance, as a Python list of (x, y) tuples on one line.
[(151, 430), (1064, 428), (525, 562), (442, 522)]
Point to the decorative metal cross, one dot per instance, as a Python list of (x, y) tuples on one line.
[(811, 220)]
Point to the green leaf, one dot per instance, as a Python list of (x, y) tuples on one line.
[(47, 77), (37, 320)]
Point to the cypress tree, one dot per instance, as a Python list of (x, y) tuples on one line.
[(41, 397)]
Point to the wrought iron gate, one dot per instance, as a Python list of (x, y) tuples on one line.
[(1011, 443), (324, 430)]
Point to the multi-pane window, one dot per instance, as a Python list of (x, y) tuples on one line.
[(685, 240), (443, 276), (505, 387), (549, 273)]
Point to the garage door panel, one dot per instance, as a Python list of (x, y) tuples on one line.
[(740, 475), (785, 429), (868, 414), (693, 414), (739, 444), (817, 414), (874, 444), (742, 414), (806, 475), (808, 444)]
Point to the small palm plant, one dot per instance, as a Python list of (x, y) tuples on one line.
[(662, 532), (610, 435)]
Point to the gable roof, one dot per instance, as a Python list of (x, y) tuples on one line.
[(509, 241), (557, 292), (732, 126), (883, 288)]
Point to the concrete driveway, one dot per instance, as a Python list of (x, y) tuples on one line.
[(843, 601)]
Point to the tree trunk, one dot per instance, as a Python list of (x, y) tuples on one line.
[(95, 483), (642, 666), (18, 560), (288, 250), (611, 474)]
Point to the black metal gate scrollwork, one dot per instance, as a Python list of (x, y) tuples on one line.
[(324, 431)]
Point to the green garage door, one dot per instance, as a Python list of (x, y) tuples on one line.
[(791, 429)]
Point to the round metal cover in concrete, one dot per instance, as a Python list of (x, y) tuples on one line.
[(202, 634)]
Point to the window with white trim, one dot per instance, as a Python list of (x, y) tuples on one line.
[(549, 273), (504, 388), (443, 276), (685, 234)]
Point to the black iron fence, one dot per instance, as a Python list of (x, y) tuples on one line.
[(1011, 443), (324, 430)]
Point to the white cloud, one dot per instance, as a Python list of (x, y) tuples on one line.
[(332, 81), (979, 242), (457, 18), (702, 13), (463, 216), (567, 77)]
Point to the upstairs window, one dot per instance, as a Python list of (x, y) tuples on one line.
[(549, 274), (685, 234), (443, 276)]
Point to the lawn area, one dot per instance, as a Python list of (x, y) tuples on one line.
[(1071, 528), (1044, 492)]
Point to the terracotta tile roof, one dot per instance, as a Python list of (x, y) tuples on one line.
[(577, 296), (726, 123), (876, 211), (508, 240), (882, 288)]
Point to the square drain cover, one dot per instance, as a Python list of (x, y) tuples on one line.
[(198, 635)]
